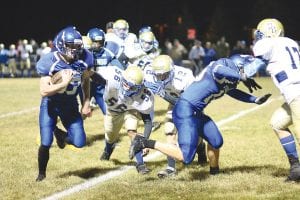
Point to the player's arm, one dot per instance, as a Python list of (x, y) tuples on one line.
[(49, 89), (248, 98), (97, 78), (220, 72), (86, 110), (147, 124)]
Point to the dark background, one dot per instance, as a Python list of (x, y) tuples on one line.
[(41, 20)]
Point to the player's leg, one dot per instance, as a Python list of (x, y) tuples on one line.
[(131, 125), (212, 135), (171, 136), (73, 123), (47, 121), (113, 123), (280, 121)]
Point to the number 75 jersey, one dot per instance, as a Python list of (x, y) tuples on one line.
[(282, 56), (142, 102)]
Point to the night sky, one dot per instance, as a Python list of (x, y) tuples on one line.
[(41, 20)]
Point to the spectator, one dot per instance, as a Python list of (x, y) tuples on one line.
[(196, 54), (222, 48), (210, 54), (177, 52)]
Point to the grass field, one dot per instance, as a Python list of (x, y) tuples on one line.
[(252, 159)]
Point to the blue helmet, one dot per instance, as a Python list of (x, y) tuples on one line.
[(98, 38), (145, 29), (247, 63), (69, 42)]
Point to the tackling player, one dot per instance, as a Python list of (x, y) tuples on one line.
[(127, 100), (219, 78)]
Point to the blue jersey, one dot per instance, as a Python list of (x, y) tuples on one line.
[(105, 57), (52, 63), (219, 78)]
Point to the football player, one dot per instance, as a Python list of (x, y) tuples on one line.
[(102, 58), (163, 77), (219, 78), (59, 100), (127, 100), (281, 54), (121, 41)]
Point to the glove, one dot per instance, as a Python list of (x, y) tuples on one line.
[(262, 99), (251, 84), (155, 88)]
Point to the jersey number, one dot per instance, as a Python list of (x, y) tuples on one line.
[(293, 52)]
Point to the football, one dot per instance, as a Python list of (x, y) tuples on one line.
[(56, 78)]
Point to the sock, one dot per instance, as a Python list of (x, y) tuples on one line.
[(109, 147), (43, 157), (171, 162), (139, 158), (289, 146)]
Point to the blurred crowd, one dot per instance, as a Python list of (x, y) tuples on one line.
[(18, 60)]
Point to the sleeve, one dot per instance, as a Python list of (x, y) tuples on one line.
[(252, 68), (241, 96), (89, 58), (43, 66), (116, 62), (221, 72), (113, 47)]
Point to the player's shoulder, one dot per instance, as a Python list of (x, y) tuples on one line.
[(45, 63)]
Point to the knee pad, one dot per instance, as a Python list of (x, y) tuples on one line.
[(279, 123), (216, 143), (170, 128), (80, 143)]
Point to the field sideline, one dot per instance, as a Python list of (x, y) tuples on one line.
[(253, 162)]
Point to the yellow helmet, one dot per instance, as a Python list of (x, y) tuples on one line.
[(121, 28), (146, 41), (163, 68), (132, 80), (270, 28), (87, 42)]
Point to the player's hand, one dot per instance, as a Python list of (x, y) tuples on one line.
[(86, 111), (155, 88), (67, 76), (262, 99), (251, 84)]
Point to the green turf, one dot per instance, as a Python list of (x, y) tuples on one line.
[(252, 159)]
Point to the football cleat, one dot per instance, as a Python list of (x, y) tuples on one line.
[(105, 156), (294, 173), (60, 136), (214, 170), (142, 169), (137, 144), (40, 177), (166, 173)]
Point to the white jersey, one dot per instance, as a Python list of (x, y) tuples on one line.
[(282, 54), (125, 46), (115, 101), (183, 77)]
